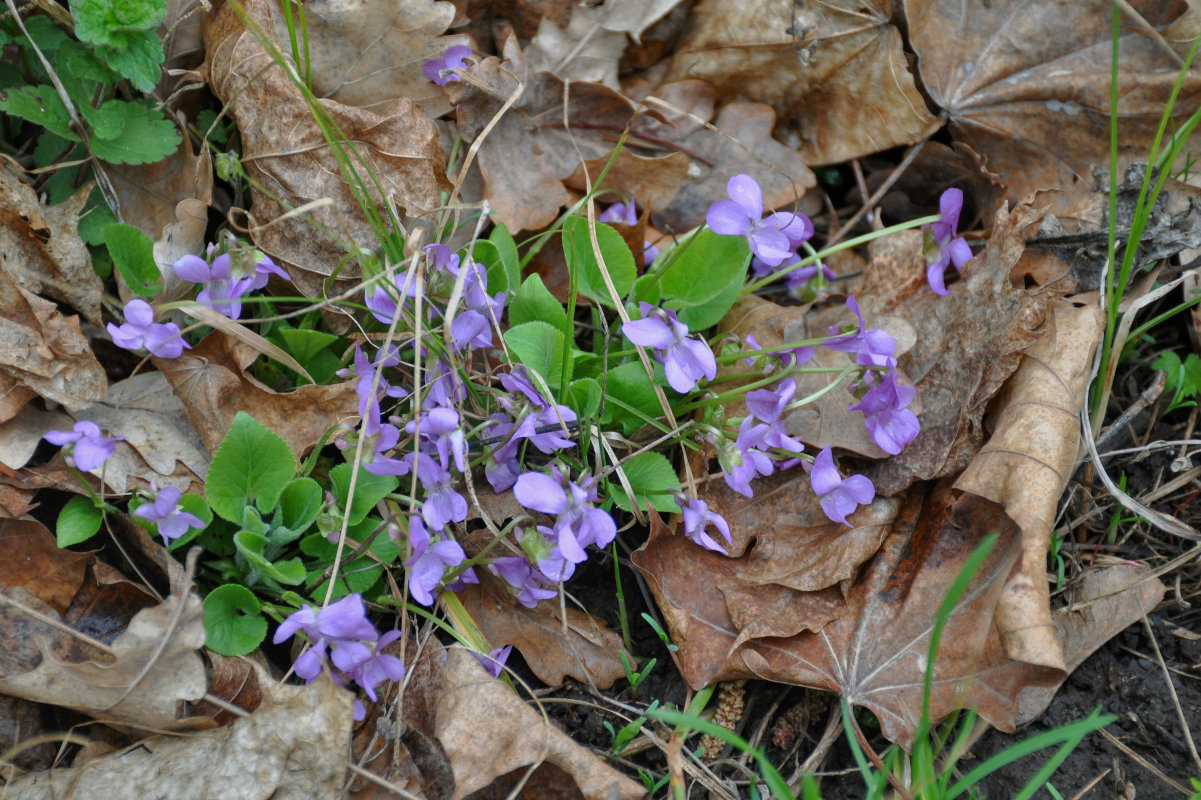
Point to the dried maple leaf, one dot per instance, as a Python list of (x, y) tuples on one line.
[(367, 53), (834, 71), (291, 165), (1028, 85)]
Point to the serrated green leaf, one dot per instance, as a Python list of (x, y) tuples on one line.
[(582, 263), (705, 268), (49, 147), (253, 464), (40, 105), (652, 478), (78, 521), (368, 490), (539, 345), (139, 60), (535, 302), (94, 218), (233, 621), (133, 255), (145, 137)]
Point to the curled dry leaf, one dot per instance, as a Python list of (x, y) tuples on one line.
[(1026, 464), (292, 748), (45, 352), (1027, 86), (583, 648), (212, 382), (834, 71), (58, 614), (487, 731), (738, 141), (367, 53), (587, 50), (43, 253), (286, 155)]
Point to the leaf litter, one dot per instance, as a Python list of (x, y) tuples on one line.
[(771, 90)]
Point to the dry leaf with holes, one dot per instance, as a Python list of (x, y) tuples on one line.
[(583, 648), (1029, 91), (367, 53), (834, 71), (213, 383), (285, 154), (43, 253), (140, 667), (292, 748)]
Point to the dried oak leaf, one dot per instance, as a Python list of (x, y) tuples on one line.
[(1026, 463), (41, 249), (367, 53), (584, 648), (291, 165), (528, 155), (487, 731), (835, 71), (212, 381), (96, 654), (738, 141), (43, 351), (587, 50), (967, 345), (292, 748), (1027, 85)]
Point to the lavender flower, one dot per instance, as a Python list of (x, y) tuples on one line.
[(773, 238), (578, 522), (697, 518), (495, 660), (626, 214), (443, 505), (440, 429), (889, 423), (768, 406), (429, 562), (685, 360), (223, 292), (743, 461), (89, 450), (376, 666), (164, 511), (162, 339), (941, 245), (454, 58), (838, 496), (872, 347), (529, 583)]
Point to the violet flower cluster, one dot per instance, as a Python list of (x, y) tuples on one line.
[(346, 643), (225, 279)]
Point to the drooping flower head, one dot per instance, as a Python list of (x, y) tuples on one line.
[(838, 496), (89, 450), (873, 347), (579, 522), (162, 339), (685, 360), (429, 562), (890, 424), (454, 58), (772, 238), (697, 519), (941, 244)]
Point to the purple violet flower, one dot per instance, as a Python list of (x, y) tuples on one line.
[(429, 562), (495, 660), (697, 518), (222, 291), (685, 360), (578, 523), (768, 406), (454, 58), (773, 238), (941, 245), (440, 429), (873, 347), (378, 666), (890, 424), (165, 512), (442, 505), (529, 583), (162, 339), (838, 496), (89, 449), (743, 461)]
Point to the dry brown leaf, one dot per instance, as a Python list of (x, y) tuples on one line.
[(526, 157), (367, 53), (1026, 464), (179, 238), (968, 343), (44, 351), (834, 71), (635, 16), (212, 382), (583, 648), (738, 141), (292, 748), (487, 731), (59, 654), (42, 250), (1027, 85), (21, 435), (285, 154), (586, 50)]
